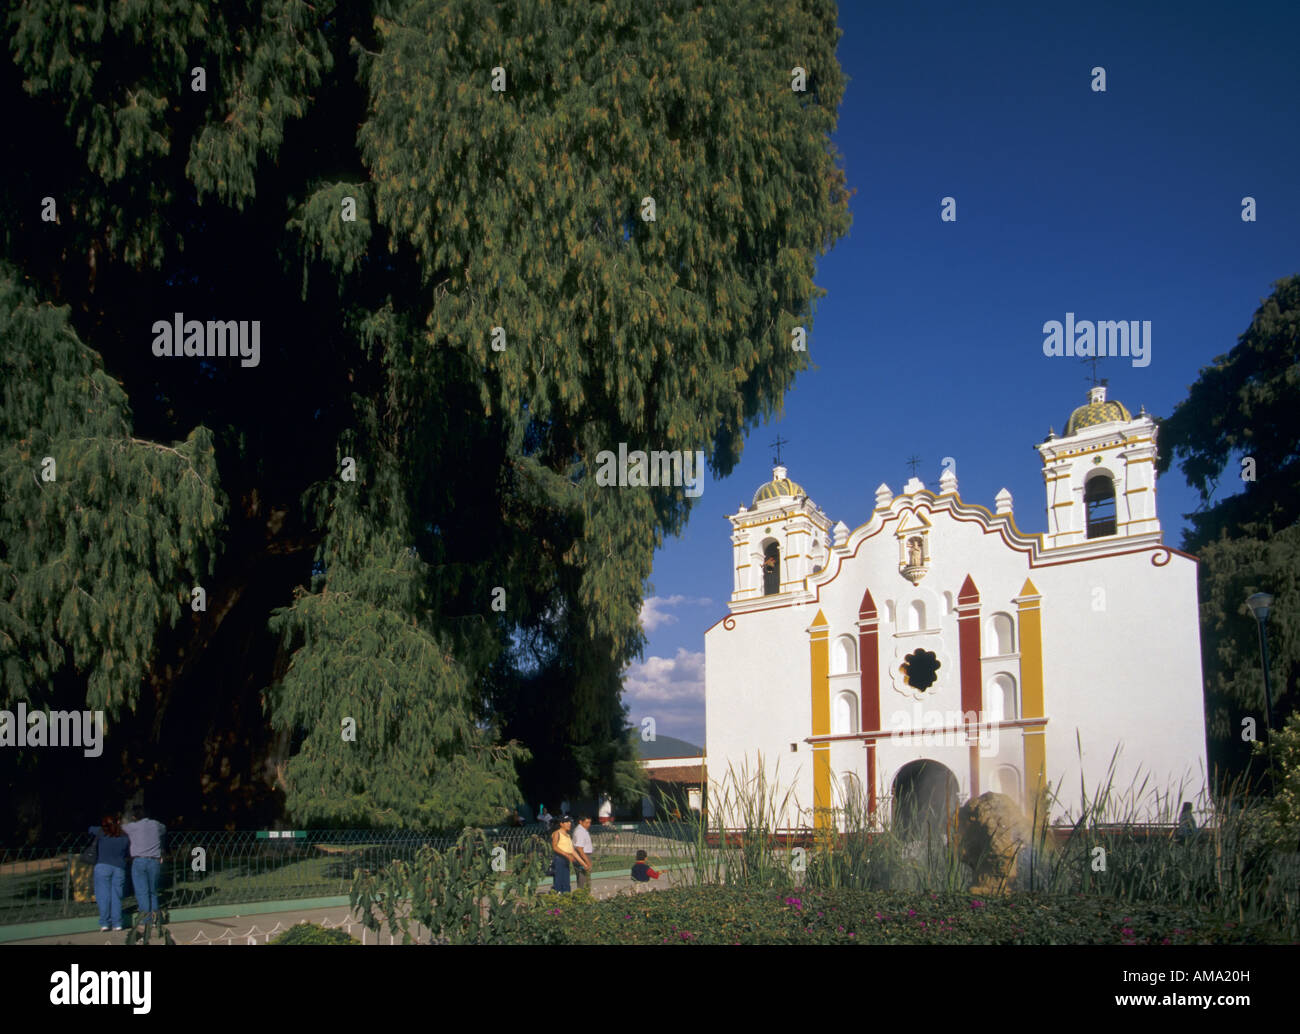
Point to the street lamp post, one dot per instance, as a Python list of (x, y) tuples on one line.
[(1261, 605)]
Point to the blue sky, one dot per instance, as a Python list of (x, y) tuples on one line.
[(1123, 205)]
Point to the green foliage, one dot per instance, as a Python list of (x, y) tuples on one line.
[(456, 895), (736, 915), (100, 558), (118, 75), (1281, 811), (415, 758), (313, 933), (475, 209), (1243, 407), (1233, 569)]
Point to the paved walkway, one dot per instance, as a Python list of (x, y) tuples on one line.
[(263, 926)]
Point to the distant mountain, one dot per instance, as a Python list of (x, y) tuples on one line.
[(666, 747)]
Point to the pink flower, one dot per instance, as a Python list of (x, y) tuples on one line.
[(852, 935), (977, 903)]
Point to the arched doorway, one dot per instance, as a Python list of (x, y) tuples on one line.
[(925, 796)]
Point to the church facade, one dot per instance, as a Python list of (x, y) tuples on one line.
[(937, 652)]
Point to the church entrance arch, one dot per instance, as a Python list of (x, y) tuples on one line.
[(925, 797)]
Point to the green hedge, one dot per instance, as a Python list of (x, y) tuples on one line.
[(311, 933), (721, 915)]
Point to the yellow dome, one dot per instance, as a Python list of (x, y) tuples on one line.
[(779, 485), (1097, 411)]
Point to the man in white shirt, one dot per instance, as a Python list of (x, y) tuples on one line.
[(146, 836), (582, 844)]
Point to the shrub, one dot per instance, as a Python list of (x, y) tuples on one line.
[(457, 894), (312, 933), (1281, 811), (735, 915)]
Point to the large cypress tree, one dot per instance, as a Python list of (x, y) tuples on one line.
[(383, 187), (1238, 443)]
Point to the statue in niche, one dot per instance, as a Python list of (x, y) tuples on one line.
[(914, 553)]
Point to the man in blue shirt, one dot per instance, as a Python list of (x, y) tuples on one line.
[(146, 859)]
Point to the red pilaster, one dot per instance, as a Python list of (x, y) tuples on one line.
[(869, 666), (968, 642)]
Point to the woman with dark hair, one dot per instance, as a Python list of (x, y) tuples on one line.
[(562, 848), (110, 870)]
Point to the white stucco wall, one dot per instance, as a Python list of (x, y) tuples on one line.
[(1121, 661)]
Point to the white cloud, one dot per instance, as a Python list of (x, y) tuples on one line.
[(666, 678), (671, 689), (656, 610)]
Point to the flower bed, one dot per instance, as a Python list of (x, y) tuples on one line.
[(720, 915)]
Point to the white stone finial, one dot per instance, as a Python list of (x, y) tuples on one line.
[(947, 481), (914, 484), (778, 473), (1003, 500), (1097, 393), (841, 534), (883, 495)]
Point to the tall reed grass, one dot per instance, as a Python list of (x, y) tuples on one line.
[(1114, 842)]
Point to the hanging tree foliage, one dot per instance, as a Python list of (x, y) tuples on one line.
[(352, 175)]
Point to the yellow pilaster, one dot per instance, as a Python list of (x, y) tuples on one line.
[(819, 645), (1031, 696)]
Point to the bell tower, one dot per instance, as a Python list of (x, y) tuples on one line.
[(1101, 476), (777, 541)]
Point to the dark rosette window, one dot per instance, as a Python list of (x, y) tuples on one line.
[(921, 669)]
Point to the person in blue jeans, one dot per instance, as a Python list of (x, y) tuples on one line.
[(110, 870), (146, 836)]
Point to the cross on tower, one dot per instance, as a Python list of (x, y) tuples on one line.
[(1092, 361), (914, 462), (778, 443)]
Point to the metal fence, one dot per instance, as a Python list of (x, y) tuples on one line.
[(230, 867)]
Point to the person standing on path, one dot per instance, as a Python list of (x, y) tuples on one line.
[(582, 845), (146, 859), (110, 870), (562, 846)]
